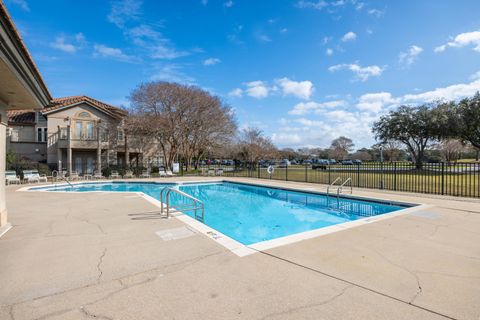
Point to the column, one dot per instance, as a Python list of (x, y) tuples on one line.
[(99, 150), (69, 150), (59, 160), (3, 154)]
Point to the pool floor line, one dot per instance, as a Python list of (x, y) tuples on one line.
[(271, 255)]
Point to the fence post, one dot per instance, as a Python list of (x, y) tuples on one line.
[(358, 175), (306, 173), (258, 171), (443, 178), (395, 176), (286, 171)]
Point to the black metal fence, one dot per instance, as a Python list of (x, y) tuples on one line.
[(454, 179)]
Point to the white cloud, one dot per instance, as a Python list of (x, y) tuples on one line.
[(286, 139), (228, 3), (299, 89), (283, 30), (374, 102), (211, 61), (123, 11), (204, 2), (257, 89), (349, 36), (462, 40), (303, 108), (157, 46), (62, 44), (453, 92), (21, 3), (329, 51), (108, 52), (376, 12), (361, 73), (318, 5), (408, 58), (475, 76), (171, 72), (237, 92)]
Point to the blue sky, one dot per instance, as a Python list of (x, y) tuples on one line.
[(304, 72)]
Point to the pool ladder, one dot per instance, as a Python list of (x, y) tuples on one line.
[(195, 206), (340, 187), (57, 177)]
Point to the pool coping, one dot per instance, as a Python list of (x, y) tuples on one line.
[(229, 243)]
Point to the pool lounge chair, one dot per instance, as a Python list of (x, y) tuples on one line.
[(169, 173), (145, 174), (74, 176), (211, 172), (128, 174), (31, 176), (11, 177), (219, 172), (98, 175), (162, 173), (114, 174)]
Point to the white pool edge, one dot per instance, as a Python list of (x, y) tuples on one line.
[(236, 247)]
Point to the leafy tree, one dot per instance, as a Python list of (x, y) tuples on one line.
[(340, 147), (466, 115), (415, 127), (255, 146)]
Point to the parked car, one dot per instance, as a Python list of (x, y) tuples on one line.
[(347, 162), (357, 162), (307, 161), (332, 161), (284, 163), (321, 164)]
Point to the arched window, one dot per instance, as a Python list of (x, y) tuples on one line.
[(83, 114)]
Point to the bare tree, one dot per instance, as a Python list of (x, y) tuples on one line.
[(185, 121), (451, 149), (255, 146)]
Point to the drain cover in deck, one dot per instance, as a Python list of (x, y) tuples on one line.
[(176, 233)]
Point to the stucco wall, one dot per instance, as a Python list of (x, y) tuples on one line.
[(66, 117), (3, 139)]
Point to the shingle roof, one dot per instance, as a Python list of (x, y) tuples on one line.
[(58, 103), (21, 117)]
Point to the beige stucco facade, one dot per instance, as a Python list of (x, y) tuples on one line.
[(21, 86)]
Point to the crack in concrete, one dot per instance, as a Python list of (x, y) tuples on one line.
[(100, 261), (98, 226), (124, 287), (92, 315), (10, 312), (308, 306), (413, 274)]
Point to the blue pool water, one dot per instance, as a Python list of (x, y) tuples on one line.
[(251, 214)]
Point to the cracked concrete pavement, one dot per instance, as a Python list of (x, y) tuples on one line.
[(86, 256)]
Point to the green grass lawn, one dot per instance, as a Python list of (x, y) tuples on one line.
[(456, 181)]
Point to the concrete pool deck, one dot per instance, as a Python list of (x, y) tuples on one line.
[(104, 256)]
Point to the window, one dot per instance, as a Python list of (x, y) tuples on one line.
[(120, 135), (78, 129), (84, 114), (41, 134), (41, 117), (90, 130), (63, 133)]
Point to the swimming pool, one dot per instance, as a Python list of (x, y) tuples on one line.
[(249, 213)]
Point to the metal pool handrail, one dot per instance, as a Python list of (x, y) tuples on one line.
[(197, 204), (332, 184), (340, 189)]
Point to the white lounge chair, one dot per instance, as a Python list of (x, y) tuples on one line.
[(211, 172), (145, 174), (114, 174), (219, 172), (31, 176), (169, 173), (11, 177), (98, 175), (162, 173), (74, 176), (128, 174)]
